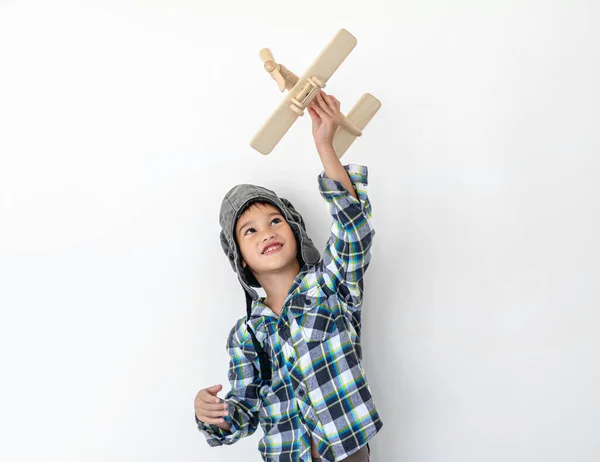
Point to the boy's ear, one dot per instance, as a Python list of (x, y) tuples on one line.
[(244, 264)]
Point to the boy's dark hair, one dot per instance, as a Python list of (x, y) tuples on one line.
[(250, 204)]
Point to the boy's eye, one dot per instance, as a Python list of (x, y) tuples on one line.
[(278, 220)]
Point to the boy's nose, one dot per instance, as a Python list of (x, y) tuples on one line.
[(268, 236)]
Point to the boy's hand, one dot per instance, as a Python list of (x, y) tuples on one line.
[(210, 409), (326, 118), (325, 113)]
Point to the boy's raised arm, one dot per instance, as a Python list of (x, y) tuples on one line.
[(348, 251), (334, 170), (326, 116)]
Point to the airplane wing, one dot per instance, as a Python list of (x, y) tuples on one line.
[(323, 67)]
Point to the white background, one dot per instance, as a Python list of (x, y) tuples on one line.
[(122, 125)]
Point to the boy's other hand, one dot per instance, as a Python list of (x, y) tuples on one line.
[(325, 113), (209, 407)]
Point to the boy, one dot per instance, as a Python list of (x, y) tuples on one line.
[(295, 358)]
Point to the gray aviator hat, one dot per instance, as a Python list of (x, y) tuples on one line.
[(235, 201)]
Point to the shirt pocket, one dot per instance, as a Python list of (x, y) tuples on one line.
[(317, 323)]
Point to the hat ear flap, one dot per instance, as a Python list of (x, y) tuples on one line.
[(295, 215), (229, 251), (249, 275)]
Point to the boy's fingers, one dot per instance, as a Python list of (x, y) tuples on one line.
[(214, 414), (332, 106), (212, 406), (203, 399), (323, 104), (331, 103), (209, 407), (319, 111), (209, 420)]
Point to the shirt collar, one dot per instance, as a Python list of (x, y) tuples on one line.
[(259, 309)]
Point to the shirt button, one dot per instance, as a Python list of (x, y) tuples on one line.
[(301, 393)]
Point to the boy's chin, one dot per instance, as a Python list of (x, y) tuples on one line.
[(278, 263)]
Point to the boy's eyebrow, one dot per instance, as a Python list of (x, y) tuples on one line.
[(250, 222)]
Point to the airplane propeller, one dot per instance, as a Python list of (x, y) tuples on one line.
[(272, 67)]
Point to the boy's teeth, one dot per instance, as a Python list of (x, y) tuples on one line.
[(272, 248)]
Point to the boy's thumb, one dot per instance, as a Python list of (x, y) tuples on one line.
[(214, 389)]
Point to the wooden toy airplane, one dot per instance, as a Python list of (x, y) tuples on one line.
[(301, 92)]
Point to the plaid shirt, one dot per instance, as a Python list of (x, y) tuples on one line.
[(318, 386)]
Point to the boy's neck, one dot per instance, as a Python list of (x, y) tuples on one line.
[(278, 285)]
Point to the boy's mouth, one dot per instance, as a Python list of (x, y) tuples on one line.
[(272, 249)]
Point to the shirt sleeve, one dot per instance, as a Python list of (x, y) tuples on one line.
[(348, 251), (243, 400)]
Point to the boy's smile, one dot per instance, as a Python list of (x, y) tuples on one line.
[(270, 248)]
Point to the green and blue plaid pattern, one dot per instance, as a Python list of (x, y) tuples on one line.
[(318, 385)]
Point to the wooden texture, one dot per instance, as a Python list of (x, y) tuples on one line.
[(360, 115), (323, 67)]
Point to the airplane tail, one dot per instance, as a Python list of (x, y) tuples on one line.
[(360, 115)]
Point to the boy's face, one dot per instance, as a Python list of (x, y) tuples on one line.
[(267, 242)]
